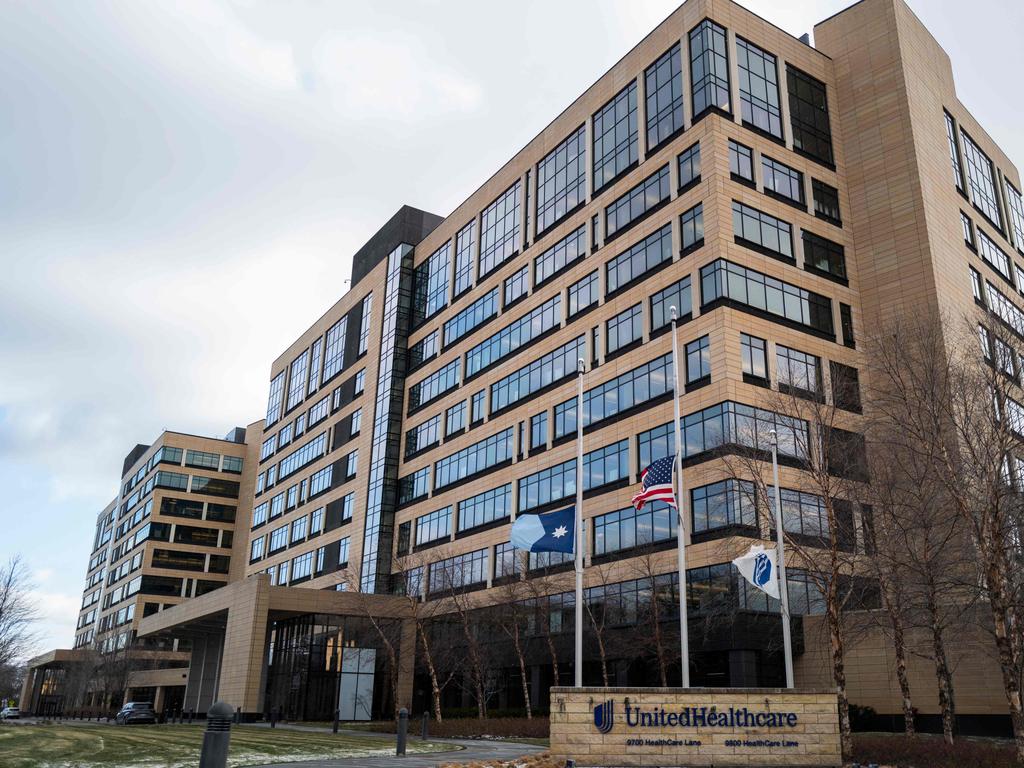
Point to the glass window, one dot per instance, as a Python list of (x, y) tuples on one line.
[(299, 529), (351, 464), (348, 503), (517, 285), (954, 152), (845, 386), (722, 279), (741, 161), (297, 380), (636, 261), (754, 353), (824, 255), (500, 230), (626, 528), (600, 467), (476, 314), (302, 567), (423, 350), (846, 323), (753, 227), (464, 243), (455, 419), (723, 504), (782, 180), (615, 137), (506, 561), (709, 68), (981, 180), (475, 458), (433, 526), (625, 328), (202, 459), (976, 288), (256, 548), (539, 430), (275, 399), (759, 88), (676, 295), (561, 180), (316, 521), (797, 370), (554, 366), (486, 507), (728, 423), (968, 229), (314, 365), (360, 384), (334, 357), (430, 284), (808, 116), (514, 335), (691, 227), (434, 385), (343, 551), (321, 481), (364, 323), (689, 166), (278, 539), (802, 513), (629, 390), (319, 411), (826, 202), (301, 457), (985, 340), (637, 202), (993, 255), (457, 572), (560, 255), (477, 407), (583, 294), (698, 360), (663, 82), (1016, 205), (423, 436)]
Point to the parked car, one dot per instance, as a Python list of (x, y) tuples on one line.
[(10, 713), (136, 712)]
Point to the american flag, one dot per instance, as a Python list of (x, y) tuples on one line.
[(656, 484)]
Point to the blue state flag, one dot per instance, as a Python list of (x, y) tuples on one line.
[(547, 532)]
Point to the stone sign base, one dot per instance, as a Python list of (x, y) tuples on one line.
[(669, 727)]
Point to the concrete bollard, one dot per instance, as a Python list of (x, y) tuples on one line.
[(403, 729), (337, 716), (217, 737), (191, 715), (238, 715), (426, 725)]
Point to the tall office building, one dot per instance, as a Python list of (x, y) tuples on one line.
[(166, 537), (779, 196)]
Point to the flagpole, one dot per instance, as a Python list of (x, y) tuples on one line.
[(684, 630), (578, 543), (787, 640)]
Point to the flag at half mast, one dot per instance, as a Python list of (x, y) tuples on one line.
[(656, 484)]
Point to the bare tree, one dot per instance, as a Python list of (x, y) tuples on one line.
[(595, 603), (647, 569), (956, 404), (513, 617), (816, 437), (17, 612), (388, 632), (427, 618)]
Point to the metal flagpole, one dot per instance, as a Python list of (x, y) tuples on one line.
[(787, 641), (578, 543), (684, 630)]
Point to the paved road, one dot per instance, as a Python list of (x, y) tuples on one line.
[(462, 751)]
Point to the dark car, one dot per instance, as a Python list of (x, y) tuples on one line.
[(136, 712)]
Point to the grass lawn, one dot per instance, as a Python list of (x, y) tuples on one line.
[(175, 746)]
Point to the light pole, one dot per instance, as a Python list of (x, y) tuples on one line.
[(787, 640)]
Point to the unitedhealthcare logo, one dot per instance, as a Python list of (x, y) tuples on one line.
[(604, 716)]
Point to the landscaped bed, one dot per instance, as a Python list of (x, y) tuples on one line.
[(177, 746), (531, 731), (928, 751)]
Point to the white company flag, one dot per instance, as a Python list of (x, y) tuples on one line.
[(758, 567)]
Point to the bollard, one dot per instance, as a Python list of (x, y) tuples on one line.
[(426, 721), (238, 715), (191, 715), (403, 727), (217, 736), (273, 718), (337, 716)]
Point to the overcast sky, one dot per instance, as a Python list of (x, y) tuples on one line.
[(166, 169)]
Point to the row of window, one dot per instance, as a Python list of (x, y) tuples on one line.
[(305, 375)]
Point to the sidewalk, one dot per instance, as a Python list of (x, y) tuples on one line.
[(462, 751)]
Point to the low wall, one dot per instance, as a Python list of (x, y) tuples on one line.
[(605, 727)]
